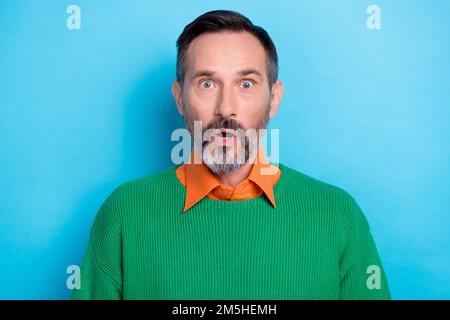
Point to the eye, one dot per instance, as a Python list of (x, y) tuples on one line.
[(207, 84), (247, 84)]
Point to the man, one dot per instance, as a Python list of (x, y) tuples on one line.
[(227, 224)]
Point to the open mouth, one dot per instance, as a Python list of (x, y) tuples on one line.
[(224, 137), (226, 133)]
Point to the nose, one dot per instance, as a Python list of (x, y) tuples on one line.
[(226, 105)]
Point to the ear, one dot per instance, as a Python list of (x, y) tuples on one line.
[(176, 91), (275, 99)]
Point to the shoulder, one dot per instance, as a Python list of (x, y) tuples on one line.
[(149, 183), (321, 196), (129, 194), (299, 182)]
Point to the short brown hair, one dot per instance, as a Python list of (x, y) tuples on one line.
[(224, 20)]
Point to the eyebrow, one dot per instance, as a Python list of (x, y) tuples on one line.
[(245, 72)]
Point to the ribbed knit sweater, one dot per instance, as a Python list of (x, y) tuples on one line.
[(316, 244)]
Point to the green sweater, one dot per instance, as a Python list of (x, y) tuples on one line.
[(316, 244)]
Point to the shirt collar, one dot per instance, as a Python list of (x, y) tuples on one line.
[(200, 181)]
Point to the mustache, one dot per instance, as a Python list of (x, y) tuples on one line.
[(227, 123)]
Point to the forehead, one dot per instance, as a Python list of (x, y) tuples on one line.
[(226, 53)]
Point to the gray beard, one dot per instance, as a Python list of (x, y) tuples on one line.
[(225, 167)]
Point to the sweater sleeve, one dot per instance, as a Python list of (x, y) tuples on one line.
[(101, 270), (362, 276)]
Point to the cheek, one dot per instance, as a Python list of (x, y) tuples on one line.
[(253, 107), (199, 108)]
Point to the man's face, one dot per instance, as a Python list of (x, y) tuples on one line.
[(226, 87)]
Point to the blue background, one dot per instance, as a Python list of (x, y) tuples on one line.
[(82, 111)]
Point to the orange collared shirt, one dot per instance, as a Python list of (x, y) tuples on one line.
[(200, 182)]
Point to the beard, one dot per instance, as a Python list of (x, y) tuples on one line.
[(223, 159)]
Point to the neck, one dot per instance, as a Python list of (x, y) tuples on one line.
[(236, 177)]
